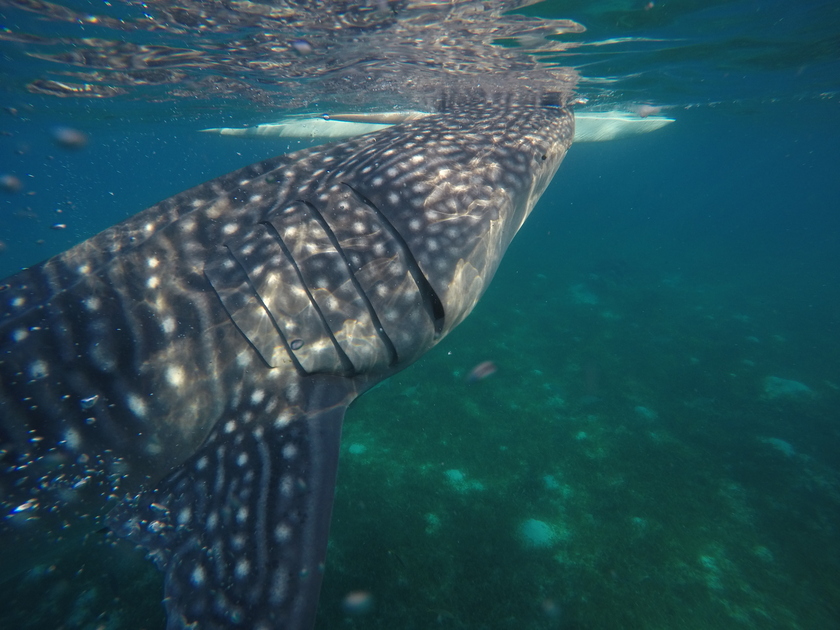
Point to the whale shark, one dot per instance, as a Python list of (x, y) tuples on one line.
[(180, 379)]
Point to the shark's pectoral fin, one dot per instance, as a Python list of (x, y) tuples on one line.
[(240, 529)]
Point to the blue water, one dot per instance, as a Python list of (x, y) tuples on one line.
[(665, 328), (637, 325)]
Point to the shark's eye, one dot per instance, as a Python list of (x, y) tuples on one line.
[(544, 157)]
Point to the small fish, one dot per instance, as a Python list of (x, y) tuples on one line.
[(70, 139), (481, 371), (10, 183), (357, 603), (302, 47)]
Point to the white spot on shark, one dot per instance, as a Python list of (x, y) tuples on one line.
[(287, 486), (198, 576), (38, 369), (243, 568), (137, 405), (175, 375), (282, 533), (184, 516), (168, 324), (92, 303), (73, 439)]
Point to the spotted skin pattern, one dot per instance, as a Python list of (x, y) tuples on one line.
[(182, 377)]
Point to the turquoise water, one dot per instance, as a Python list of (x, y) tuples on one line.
[(634, 410), (667, 393)]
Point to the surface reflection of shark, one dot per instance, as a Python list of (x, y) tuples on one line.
[(200, 356), (589, 126)]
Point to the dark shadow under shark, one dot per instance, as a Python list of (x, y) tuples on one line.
[(199, 357)]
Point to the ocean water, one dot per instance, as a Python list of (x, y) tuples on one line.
[(665, 332), (638, 326)]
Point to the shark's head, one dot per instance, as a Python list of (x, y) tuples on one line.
[(461, 185)]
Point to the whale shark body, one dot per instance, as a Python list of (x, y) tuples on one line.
[(181, 378)]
